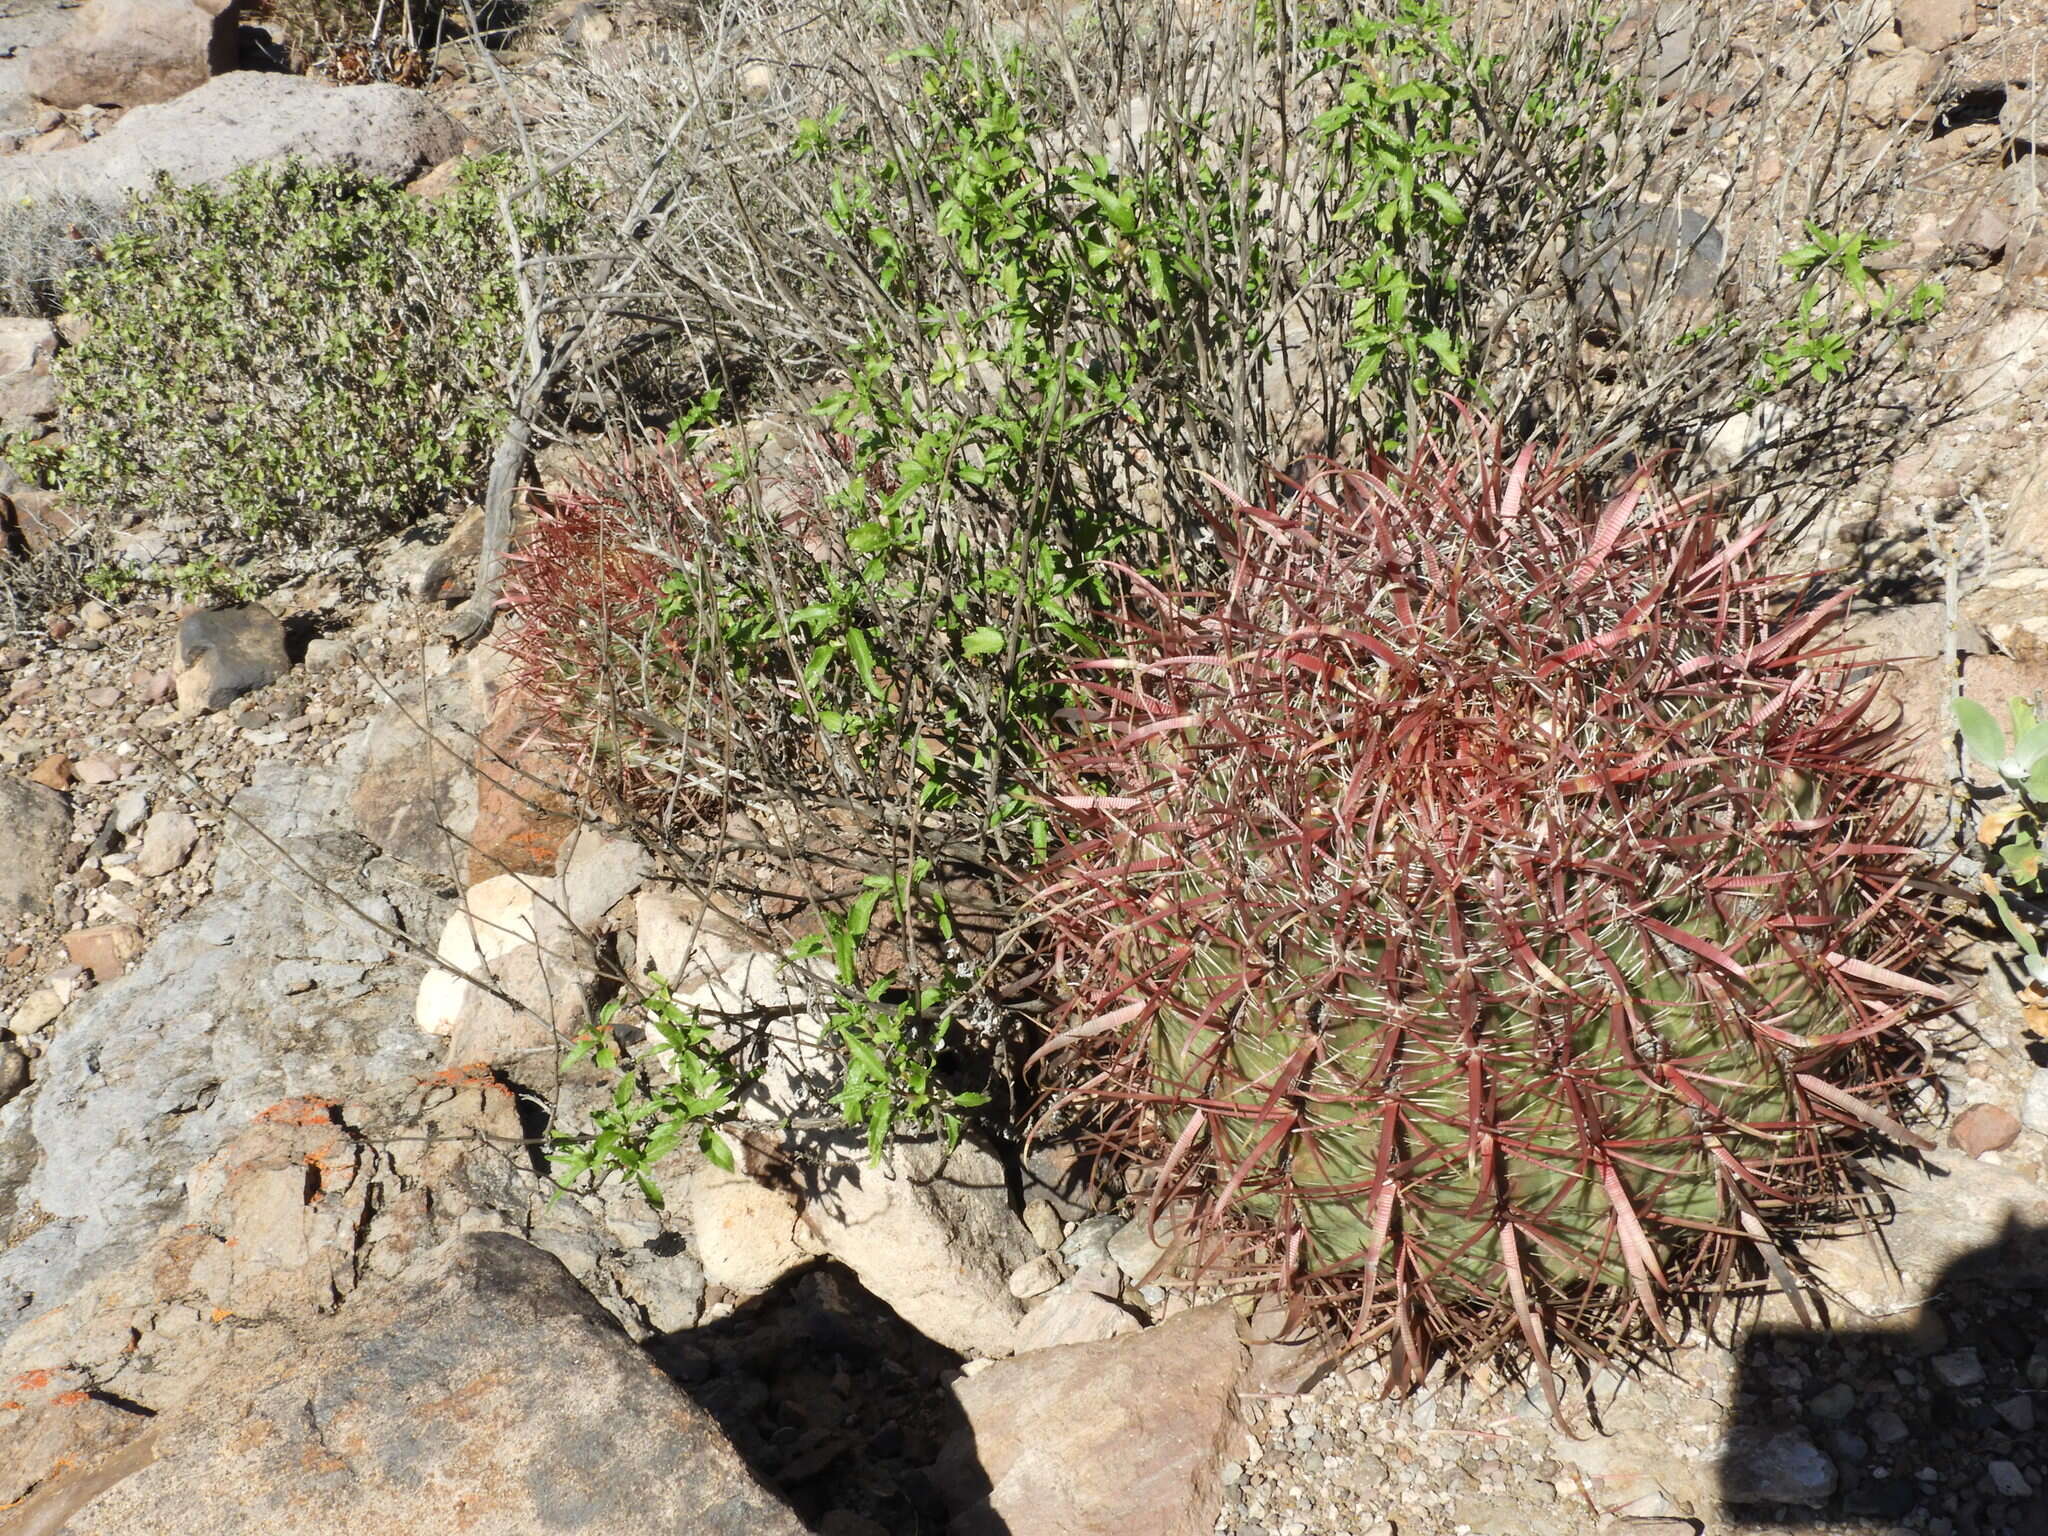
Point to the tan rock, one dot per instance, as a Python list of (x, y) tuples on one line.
[(1104, 1439), (1984, 1128), (134, 52), (168, 839), (1936, 24), (1073, 1317), (1892, 90), (2012, 608), (745, 1230), (27, 391), (931, 1233), (105, 950)]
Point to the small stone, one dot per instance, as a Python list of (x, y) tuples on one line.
[(1138, 1246), (1886, 1427), (1835, 1403), (97, 770), (104, 950), (54, 772), (1984, 1128), (2018, 1411), (1891, 90), (2007, 1480), (1087, 1246), (131, 811), (167, 842), (95, 617), (40, 1008), (745, 1231), (13, 1071), (2034, 1107), (1035, 1277), (1782, 1467), (1044, 1225), (1958, 1369)]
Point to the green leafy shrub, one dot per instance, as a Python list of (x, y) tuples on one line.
[(1482, 911), (302, 353)]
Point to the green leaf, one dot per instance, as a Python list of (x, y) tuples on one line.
[(713, 1146), (1981, 732), (982, 641)]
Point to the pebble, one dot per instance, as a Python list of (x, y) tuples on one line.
[(1837, 1402), (1984, 1128), (1044, 1225), (2007, 1480), (1035, 1277), (1784, 1467), (130, 811), (2018, 1411), (1958, 1369)]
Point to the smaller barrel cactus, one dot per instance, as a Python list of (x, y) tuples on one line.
[(1489, 916)]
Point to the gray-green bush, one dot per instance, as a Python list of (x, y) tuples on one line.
[(302, 355)]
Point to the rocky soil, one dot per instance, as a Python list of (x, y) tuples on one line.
[(290, 915)]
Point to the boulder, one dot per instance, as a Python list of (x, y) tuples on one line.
[(28, 393), (154, 1073), (132, 53), (492, 1395), (525, 805), (929, 1232), (1107, 1439), (224, 653), (35, 824), (237, 120)]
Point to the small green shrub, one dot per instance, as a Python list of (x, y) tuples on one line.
[(302, 351)]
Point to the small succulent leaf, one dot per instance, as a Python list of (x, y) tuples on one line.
[(1981, 732)]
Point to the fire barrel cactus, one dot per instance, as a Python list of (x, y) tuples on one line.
[(1489, 916)]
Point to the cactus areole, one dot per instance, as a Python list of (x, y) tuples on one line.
[(1489, 915)]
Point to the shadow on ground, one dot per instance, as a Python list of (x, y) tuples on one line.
[(837, 1405), (1936, 1423)]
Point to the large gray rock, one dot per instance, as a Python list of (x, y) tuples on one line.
[(238, 120), (1110, 1439), (152, 1073), (34, 827), (132, 53), (494, 1395)]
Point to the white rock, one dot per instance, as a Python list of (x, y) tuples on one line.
[(131, 811), (167, 842), (246, 117), (39, 1008), (745, 1231), (1073, 1317)]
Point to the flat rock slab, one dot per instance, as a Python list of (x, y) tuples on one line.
[(35, 824), (494, 1396), (243, 119), (1122, 1438)]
